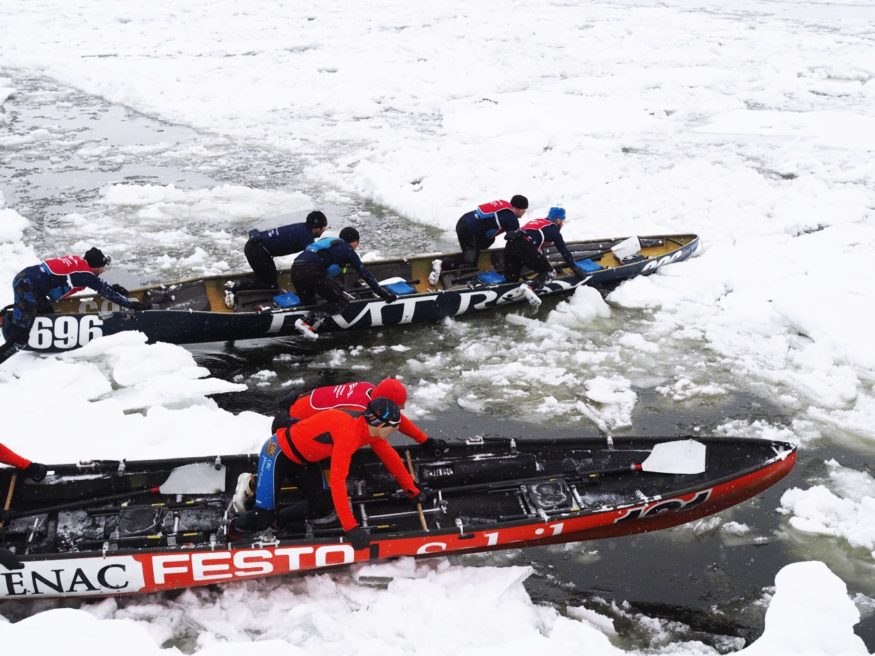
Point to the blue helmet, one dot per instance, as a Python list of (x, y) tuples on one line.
[(556, 214), (382, 412)]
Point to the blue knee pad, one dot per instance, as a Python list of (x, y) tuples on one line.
[(265, 489)]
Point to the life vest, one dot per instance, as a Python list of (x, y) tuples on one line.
[(320, 247), (537, 225), (63, 267), (348, 395), (489, 211)]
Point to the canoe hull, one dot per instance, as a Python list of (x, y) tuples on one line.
[(211, 558), (87, 318)]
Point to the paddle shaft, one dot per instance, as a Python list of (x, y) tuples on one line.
[(571, 476), (421, 514), (8, 502)]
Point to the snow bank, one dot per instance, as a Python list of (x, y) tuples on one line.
[(425, 608)]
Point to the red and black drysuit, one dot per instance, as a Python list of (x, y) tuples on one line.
[(524, 248)]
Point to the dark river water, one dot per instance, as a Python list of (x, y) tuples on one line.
[(710, 585)]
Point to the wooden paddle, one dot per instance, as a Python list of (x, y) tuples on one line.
[(9, 494), (422, 521)]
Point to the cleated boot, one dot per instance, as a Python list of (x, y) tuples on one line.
[(306, 329), (230, 298), (244, 492), (530, 295), (435, 276)]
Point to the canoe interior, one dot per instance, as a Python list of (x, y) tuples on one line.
[(208, 294), (497, 483)]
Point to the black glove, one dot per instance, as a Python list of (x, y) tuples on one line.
[(436, 446), (358, 537), (118, 288), (420, 497), (136, 305), (389, 297), (9, 560), (36, 471), (580, 273)]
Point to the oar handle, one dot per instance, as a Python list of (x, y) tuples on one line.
[(9, 494), (421, 514)]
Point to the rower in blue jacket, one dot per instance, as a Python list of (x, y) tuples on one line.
[(314, 272), (264, 245), (37, 286), (525, 248)]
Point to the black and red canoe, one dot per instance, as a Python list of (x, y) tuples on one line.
[(113, 527)]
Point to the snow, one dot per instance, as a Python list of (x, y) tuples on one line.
[(810, 603), (749, 123), (473, 611), (846, 512)]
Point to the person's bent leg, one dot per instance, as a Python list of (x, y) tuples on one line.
[(540, 265), (22, 319), (513, 263), (269, 473), (262, 263)]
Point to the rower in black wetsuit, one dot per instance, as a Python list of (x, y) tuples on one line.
[(264, 245), (313, 273)]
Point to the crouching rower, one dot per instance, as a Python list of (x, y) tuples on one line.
[(295, 452), (314, 271), (477, 230), (524, 248), (37, 286), (354, 397)]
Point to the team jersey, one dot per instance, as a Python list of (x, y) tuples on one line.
[(543, 232), (349, 396), (493, 218), (61, 277), (333, 255), (284, 240)]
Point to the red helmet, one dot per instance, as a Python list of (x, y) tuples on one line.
[(392, 389)]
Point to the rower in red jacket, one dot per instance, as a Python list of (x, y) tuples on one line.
[(33, 470), (353, 397), (297, 450)]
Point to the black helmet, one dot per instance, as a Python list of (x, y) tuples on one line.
[(519, 202), (316, 219), (382, 412), (349, 234), (96, 259)]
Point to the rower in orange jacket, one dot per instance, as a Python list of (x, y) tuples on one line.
[(296, 451), (353, 397)]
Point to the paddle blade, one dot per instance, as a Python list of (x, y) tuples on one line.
[(196, 478), (679, 457)]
